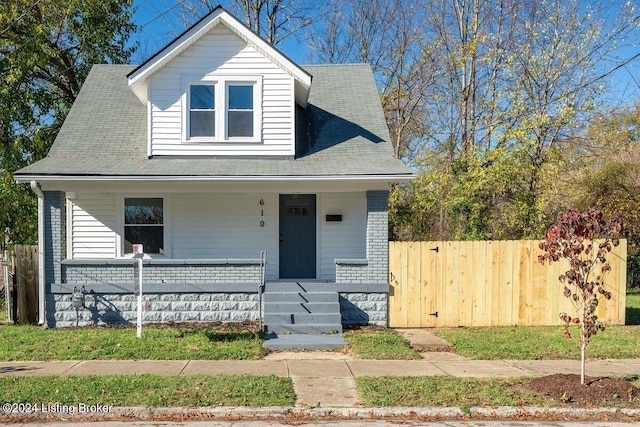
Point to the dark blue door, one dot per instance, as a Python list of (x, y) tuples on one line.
[(298, 236)]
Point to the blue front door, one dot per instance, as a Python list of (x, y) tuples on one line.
[(298, 236)]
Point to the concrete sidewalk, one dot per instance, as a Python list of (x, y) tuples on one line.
[(326, 378)]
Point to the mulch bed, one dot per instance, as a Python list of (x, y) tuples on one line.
[(566, 388)]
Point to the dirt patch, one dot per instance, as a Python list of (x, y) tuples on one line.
[(566, 388)]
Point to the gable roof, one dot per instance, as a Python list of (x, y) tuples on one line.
[(219, 16), (104, 136)]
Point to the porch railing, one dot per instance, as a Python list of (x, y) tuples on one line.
[(261, 286)]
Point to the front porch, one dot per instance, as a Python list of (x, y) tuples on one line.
[(212, 290)]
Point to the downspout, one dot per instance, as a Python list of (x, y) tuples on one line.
[(41, 306)]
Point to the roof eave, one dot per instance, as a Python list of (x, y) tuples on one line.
[(220, 178)]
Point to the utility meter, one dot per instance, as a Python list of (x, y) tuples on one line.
[(77, 299)]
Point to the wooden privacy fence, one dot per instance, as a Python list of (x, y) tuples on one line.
[(26, 277), (487, 283)]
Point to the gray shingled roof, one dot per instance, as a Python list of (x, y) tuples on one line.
[(105, 134)]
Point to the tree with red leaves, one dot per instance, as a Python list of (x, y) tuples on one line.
[(584, 239)]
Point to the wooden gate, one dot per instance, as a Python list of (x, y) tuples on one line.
[(486, 283)]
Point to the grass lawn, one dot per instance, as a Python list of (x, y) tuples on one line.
[(632, 315), (379, 345), (548, 342), (540, 342), (157, 343), (150, 390), (443, 391)]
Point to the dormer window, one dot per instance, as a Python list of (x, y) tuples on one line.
[(240, 110), (204, 100), (202, 111)]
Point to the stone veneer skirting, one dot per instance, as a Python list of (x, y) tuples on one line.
[(364, 308), (100, 309)]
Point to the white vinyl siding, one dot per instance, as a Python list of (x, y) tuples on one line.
[(222, 226), (346, 239), (225, 226), (92, 222), (222, 53)]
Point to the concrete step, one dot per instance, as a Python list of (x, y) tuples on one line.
[(304, 342), (306, 329), (302, 318), (299, 287), (301, 307), (301, 297)]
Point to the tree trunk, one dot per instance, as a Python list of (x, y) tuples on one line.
[(583, 349)]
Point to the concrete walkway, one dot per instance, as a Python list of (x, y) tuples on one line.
[(327, 379)]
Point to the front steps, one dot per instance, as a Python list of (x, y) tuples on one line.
[(301, 315)]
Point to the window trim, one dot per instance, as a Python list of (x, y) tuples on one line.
[(166, 235), (222, 83)]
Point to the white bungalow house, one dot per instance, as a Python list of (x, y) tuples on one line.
[(214, 151)]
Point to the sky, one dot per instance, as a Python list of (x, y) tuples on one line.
[(158, 26)]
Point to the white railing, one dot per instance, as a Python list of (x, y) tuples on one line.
[(263, 272)]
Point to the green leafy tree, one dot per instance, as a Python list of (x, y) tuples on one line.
[(584, 239), (602, 168), (518, 80), (47, 48)]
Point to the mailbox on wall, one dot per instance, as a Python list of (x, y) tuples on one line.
[(334, 218)]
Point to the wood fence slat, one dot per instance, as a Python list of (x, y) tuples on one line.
[(497, 273), (620, 292), (394, 282), (526, 292), (487, 283), (478, 273), (508, 293), (539, 278), (414, 279), (452, 283), (429, 282), (463, 285), (439, 288), (552, 291)]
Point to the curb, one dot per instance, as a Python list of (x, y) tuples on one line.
[(298, 413)]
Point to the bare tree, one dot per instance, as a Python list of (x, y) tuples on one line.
[(274, 20), (388, 36)]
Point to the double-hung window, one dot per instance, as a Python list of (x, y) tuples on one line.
[(240, 110), (202, 110), (144, 224), (222, 109)]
